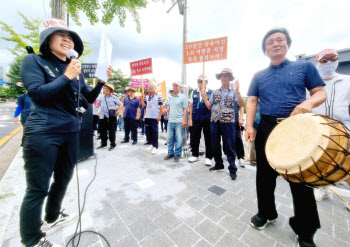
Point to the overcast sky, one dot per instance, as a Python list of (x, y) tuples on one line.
[(313, 24)]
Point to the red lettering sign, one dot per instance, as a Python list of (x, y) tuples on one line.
[(141, 67)]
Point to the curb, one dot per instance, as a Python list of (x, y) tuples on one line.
[(9, 185)]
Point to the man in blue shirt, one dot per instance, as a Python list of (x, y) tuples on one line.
[(177, 121), (131, 115), (222, 121), (200, 119), (281, 89)]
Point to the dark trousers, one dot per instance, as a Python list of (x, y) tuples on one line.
[(43, 155), (165, 123), (305, 221), (227, 131), (110, 125), (96, 123), (23, 121), (142, 126), (152, 131), (239, 143), (196, 137), (130, 125)]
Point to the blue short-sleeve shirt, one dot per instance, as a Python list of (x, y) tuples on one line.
[(131, 106), (281, 88)]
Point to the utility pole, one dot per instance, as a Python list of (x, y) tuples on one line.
[(58, 10)]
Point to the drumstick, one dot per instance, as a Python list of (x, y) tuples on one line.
[(337, 195)]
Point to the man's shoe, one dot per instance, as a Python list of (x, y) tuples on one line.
[(241, 163), (303, 242), (154, 150), (169, 156), (43, 242), (147, 143), (259, 223), (193, 159), (176, 158), (207, 162), (216, 169), (149, 148), (134, 143), (101, 147), (63, 220), (321, 193), (124, 141), (233, 176), (111, 148)]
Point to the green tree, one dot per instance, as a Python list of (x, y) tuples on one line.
[(110, 9), (30, 38), (119, 81), (14, 71)]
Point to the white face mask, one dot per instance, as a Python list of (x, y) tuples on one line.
[(327, 70)]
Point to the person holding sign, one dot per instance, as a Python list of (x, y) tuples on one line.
[(153, 113), (200, 119), (222, 105), (58, 92), (131, 114), (110, 106), (177, 122), (280, 90)]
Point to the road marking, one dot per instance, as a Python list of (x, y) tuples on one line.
[(8, 137)]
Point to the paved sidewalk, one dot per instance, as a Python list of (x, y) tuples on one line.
[(138, 199)]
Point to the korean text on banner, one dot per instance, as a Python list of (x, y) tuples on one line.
[(141, 67), (104, 58), (88, 70), (136, 83), (161, 89), (205, 50)]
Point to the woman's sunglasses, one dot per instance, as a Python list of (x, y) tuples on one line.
[(332, 59)]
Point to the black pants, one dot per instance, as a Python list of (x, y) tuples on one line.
[(152, 131), (239, 143), (227, 131), (23, 121), (110, 125), (305, 221), (96, 123), (43, 155), (196, 137), (130, 125), (165, 123)]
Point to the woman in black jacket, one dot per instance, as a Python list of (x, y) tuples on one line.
[(58, 91)]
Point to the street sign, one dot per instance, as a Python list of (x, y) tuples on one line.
[(88, 70), (205, 50), (141, 67)]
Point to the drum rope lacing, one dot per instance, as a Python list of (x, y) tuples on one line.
[(336, 166)]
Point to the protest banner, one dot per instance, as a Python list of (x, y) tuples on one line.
[(88, 70), (141, 67), (204, 51), (161, 89), (104, 58), (136, 83)]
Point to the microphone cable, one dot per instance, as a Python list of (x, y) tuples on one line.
[(81, 210)]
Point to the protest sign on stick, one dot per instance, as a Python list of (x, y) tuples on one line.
[(205, 51), (141, 67)]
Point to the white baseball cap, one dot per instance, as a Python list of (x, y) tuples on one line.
[(200, 77), (177, 83)]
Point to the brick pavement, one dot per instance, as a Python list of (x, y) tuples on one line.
[(138, 199)]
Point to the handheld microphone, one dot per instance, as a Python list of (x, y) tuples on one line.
[(72, 55)]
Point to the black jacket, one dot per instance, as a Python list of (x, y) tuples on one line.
[(54, 96)]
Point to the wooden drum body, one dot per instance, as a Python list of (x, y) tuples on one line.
[(310, 149)]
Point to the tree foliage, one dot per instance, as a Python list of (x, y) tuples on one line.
[(30, 38), (119, 81), (110, 9)]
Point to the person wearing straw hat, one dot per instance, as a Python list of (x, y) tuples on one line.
[(108, 121), (337, 105), (177, 122), (59, 94), (131, 115), (200, 119), (222, 121), (280, 90)]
